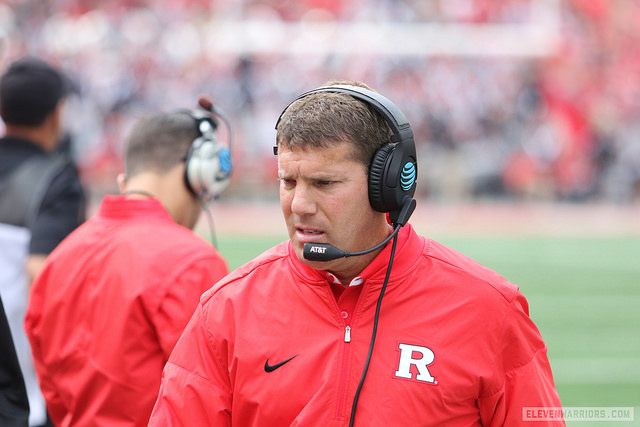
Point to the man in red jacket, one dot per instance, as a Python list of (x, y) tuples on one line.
[(114, 297), (337, 326)]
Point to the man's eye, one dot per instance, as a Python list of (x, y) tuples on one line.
[(288, 182), (325, 183)]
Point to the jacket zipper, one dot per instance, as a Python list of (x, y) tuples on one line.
[(346, 357), (342, 390)]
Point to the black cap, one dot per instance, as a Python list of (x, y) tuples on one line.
[(30, 89)]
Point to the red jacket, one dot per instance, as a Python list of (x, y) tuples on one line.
[(268, 346), (108, 308)]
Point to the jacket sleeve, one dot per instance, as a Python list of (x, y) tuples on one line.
[(195, 388), (526, 378), (181, 298)]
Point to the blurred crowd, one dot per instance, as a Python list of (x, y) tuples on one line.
[(558, 127)]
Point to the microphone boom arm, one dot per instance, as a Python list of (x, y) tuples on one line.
[(328, 252)]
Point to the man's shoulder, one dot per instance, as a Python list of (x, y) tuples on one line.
[(147, 236), (27, 180), (476, 276), (172, 239), (13, 151)]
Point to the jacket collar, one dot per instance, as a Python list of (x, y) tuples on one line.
[(123, 207)]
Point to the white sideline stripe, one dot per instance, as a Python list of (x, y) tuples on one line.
[(596, 371)]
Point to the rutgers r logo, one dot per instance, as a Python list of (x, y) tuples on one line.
[(420, 358)]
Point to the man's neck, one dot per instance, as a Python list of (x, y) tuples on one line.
[(39, 135)]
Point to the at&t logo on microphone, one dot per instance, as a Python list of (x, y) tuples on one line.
[(317, 249)]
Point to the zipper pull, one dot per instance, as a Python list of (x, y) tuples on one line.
[(347, 334)]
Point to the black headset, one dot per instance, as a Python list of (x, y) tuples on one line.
[(394, 169), (208, 163)]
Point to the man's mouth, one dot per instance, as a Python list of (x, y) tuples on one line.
[(306, 235), (307, 231)]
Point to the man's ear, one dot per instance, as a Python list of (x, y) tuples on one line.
[(53, 126), (121, 179)]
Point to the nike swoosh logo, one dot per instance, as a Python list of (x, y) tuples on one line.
[(271, 368)]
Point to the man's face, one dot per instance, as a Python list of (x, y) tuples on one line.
[(324, 199)]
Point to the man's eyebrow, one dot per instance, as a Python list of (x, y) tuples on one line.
[(325, 178)]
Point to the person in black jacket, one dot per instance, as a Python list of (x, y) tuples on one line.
[(41, 196)]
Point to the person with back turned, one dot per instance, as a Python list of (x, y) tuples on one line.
[(356, 319), (113, 298), (41, 196)]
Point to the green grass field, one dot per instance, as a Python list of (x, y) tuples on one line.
[(584, 296)]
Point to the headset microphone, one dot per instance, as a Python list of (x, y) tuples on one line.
[(328, 252)]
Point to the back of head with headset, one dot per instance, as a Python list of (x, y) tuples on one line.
[(208, 162), (158, 143)]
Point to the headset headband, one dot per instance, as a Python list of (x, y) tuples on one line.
[(395, 118)]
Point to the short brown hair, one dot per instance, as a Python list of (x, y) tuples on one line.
[(159, 142), (325, 118)]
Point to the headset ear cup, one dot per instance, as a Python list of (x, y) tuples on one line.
[(221, 173), (208, 168), (377, 177)]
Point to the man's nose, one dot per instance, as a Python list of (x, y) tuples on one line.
[(303, 202)]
